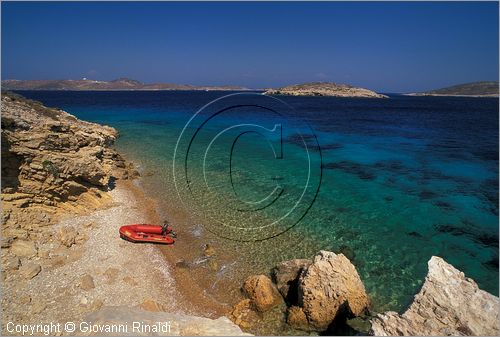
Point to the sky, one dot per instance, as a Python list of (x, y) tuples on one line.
[(387, 47)]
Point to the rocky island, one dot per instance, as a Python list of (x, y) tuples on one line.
[(474, 89), (324, 89)]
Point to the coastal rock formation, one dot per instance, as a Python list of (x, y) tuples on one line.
[(262, 292), (286, 276), (448, 304), (173, 324), (52, 162), (324, 89), (329, 287)]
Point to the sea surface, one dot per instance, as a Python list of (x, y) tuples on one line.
[(387, 182)]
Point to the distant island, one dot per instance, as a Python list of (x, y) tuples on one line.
[(324, 89), (118, 84), (473, 89)]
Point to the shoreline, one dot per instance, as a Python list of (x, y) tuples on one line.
[(65, 193), (91, 274), (102, 272), (188, 288), (72, 266)]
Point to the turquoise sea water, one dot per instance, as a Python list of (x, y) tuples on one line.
[(402, 179)]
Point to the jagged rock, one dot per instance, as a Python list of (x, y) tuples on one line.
[(262, 292), (67, 235), (30, 270), (180, 324), (50, 157), (330, 286), (23, 248), (448, 304), (286, 276), (87, 283)]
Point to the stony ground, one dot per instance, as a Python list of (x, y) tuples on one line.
[(98, 269)]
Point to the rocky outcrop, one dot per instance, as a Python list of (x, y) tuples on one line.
[(53, 165), (448, 304), (286, 276), (170, 324), (52, 162), (262, 292), (330, 288), (51, 155), (324, 89)]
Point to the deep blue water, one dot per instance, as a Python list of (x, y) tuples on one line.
[(402, 179)]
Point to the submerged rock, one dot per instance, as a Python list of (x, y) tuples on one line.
[(448, 304), (262, 292), (329, 287), (244, 315), (174, 324), (209, 250)]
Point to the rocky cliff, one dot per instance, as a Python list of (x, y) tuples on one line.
[(52, 163), (324, 89), (448, 304)]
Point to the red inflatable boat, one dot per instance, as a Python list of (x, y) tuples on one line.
[(147, 233)]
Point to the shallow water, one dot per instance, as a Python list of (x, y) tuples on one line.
[(402, 179)]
